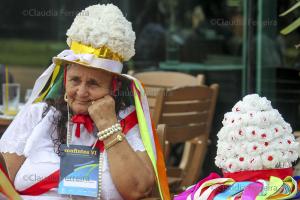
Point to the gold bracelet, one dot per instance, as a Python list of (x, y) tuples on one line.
[(119, 138)]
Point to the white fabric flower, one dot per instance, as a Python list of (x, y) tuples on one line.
[(254, 148), (270, 159), (255, 163), (232, 165), (103, 25), (256, 133)]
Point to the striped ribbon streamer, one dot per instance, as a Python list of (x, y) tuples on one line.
[(207, 184), (7, 188), (252, 191), (273, 186), (234, 189), (289, 189), (53, 78), (151, 143), (226, 188)]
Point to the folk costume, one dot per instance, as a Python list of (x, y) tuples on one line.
[(100, 37)]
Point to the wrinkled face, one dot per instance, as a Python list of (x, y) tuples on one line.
[(84, 85)]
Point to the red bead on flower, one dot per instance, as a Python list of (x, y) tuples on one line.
[(266, 143), (270, 158)]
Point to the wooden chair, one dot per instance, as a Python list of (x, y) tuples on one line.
[(185, 117), (156, 81)]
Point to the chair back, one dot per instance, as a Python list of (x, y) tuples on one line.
[(185, 117), (156, 81)]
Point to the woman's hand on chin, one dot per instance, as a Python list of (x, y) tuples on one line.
[(103, 113)]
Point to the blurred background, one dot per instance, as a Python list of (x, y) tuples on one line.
[(235, 43)]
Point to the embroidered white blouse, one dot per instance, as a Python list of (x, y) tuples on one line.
[(35, 143)]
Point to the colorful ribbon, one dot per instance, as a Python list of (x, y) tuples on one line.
[(150, 138), (252, 191), (6, 186), (234, 189), (189, 193), (229, 189), (44, 91)]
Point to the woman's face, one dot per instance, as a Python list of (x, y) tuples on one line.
[(84, 85)]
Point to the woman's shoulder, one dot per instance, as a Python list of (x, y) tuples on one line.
[(37, 109), (35, 112)]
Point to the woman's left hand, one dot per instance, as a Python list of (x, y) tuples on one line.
[(103, 113)]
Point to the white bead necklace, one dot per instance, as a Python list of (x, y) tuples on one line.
[(100, 175)]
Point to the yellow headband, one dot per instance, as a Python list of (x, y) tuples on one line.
[(102, 52)]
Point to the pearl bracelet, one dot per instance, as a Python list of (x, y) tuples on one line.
[(102, 135)]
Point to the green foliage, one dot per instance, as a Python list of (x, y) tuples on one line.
[(294, 7), (294, 25), (291, 27), (29, 52)]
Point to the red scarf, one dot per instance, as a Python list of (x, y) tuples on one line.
[(86, 120)]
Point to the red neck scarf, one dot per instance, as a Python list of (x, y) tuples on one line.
[(86, 120)]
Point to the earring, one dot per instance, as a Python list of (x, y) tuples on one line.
[(66, 97)]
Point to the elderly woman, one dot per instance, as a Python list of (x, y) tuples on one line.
[(83, 100)]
